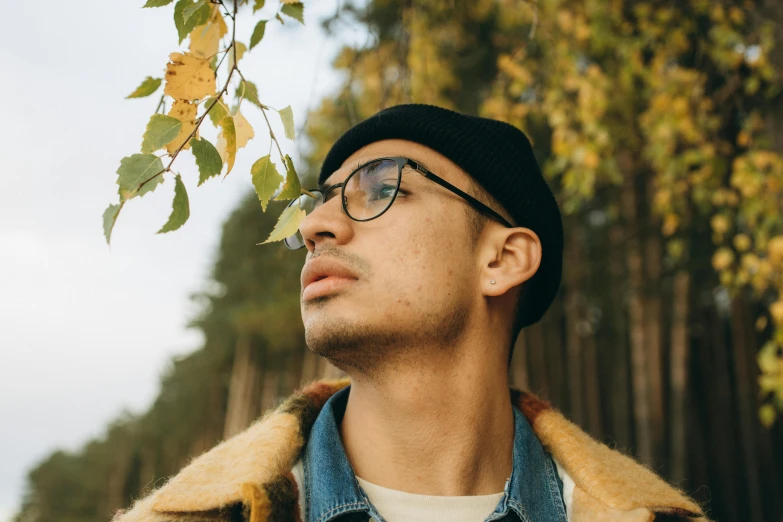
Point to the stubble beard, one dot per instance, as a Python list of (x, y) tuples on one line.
[(382, 349)]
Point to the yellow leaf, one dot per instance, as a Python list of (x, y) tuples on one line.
[(720, 224), (761, 323), (723, 258), (776, 312), (767, 415), (742, 242), (243, 129), (186, 113), (188, 77), (287, 224), (775, 249), (670, 224), (205, 39), (227, 142)]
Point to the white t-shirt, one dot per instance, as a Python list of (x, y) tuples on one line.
[(399, 506)]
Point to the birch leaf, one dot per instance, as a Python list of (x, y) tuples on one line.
[(207, 158), (198, 17), (258, 33), (205, 39), (157, 3), (294, 10), (249, 91), (287, 115), (147, 87), (193, 9), (160, 131), (287, 224), (109, 219), (258, 4), (266, 179), (216, 113), (180, 211), (244, 131), (292, 187), (227, 142), (188, 77), (134, 170), (185, 112)]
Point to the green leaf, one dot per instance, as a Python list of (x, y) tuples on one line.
[(287, 224), (192, 9), (292, 187), (266, 179), (157, 3), (207, 158), (240, 49), (258, 33), (181, 208), (295, 10), (199, 17), (134, 170), (109, 219), (259, 4), (216, 113), (147, 87), (249, 91), (161, 130), (230, 135), (287, 115)]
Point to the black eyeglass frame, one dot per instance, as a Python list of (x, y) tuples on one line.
[(401, 163)]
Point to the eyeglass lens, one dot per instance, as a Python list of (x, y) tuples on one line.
[(369, 192)]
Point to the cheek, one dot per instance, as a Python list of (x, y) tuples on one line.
[(423, 263)]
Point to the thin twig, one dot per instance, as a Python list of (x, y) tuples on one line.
[(272, 134), (161, 103)]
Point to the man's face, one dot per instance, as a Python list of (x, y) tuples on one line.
[(411, 273)]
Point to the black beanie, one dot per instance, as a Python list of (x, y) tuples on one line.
[(495, 154)]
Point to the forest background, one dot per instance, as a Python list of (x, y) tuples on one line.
[(658, 126)]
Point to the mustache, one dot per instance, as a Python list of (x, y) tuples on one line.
[(356, 263)]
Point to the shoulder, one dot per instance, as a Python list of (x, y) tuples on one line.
[(600, 483)]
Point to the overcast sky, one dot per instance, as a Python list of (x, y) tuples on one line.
[(86, 331)]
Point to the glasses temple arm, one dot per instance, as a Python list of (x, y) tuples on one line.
[(478, 205)]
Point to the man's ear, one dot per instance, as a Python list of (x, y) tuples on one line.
[(515, 258)]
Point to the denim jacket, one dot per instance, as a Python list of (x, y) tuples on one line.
[(533, 493)]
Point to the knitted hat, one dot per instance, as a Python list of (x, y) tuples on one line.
[(495, 154)]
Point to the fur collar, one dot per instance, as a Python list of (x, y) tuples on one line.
[(247, 477)]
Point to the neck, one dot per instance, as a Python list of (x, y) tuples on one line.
[(443, 426)]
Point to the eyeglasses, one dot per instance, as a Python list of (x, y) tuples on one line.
[(370, 190)]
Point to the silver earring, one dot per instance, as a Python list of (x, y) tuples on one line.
[(492, 282)]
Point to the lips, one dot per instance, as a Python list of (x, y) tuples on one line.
[(323, 268)]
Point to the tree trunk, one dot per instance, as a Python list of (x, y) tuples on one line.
[(678, 368), (639, 360), (652, 341), (243, 388), (574, 312)]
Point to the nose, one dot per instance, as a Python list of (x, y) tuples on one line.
[(327, 223)]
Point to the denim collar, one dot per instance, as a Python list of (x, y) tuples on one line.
[(533, 493)]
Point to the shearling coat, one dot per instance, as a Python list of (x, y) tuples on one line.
[(248, 478)]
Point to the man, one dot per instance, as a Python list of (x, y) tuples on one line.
[(432, 240)]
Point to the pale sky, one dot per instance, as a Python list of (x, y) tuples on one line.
[(86, 331)]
